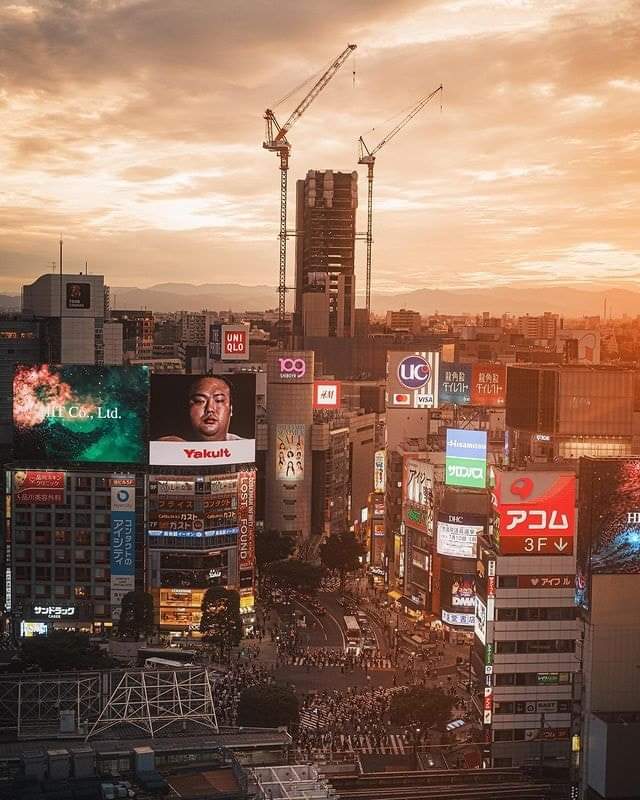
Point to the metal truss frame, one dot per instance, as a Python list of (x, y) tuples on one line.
[(153, 700)]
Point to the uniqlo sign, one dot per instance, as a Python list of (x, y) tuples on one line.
[(235, 343), (536, 512), (326, 394)]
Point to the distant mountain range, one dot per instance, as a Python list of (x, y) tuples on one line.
[(567, 301)]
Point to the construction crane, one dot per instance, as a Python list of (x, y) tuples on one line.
[(276, 141), (368, 157)]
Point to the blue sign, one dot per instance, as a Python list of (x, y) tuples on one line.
[(462, 443), (123, 543), (455, 383), (194, 534)]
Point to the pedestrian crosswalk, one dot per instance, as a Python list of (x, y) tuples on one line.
[(392, 744), (314, 719), (377, 663)]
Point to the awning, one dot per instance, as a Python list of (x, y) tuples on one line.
[(394, 595)]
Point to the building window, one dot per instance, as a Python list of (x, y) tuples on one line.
[(82, 592), (43, 537), (63, 519), (83, 483), (63, 538), (507, 582), (63, 573), (62, 592), (82, 538)]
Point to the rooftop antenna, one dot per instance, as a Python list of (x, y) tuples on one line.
[(85, 268), (61, 278)]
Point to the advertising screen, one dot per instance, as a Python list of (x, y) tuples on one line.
[(412, 379), (610, 516), (80, 413), (455, 383), (417, 495), (202, 420), (488, 384), (466, 458), (536, 512), (290, 452), (458, 535), (31, 487), (78, 295)]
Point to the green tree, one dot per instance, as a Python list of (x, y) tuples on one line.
[(221, 623), (136, 615), (342, 552), (417, 705), (61, 651), (268, 706), (272, 546), (295, 574)]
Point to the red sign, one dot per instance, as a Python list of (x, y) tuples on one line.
[(488, 384), (326, 394), (38, 488), (246, 520), (538, 545), (537, 505), (234, 343), (546, 581)]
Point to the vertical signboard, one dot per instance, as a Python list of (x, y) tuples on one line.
[(417, 495), (466, 458), (488, 384), (455, 383), (123, 540), (246, 520), (412, 380), (379, 471), (290, 452)]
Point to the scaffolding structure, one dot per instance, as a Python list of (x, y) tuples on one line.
[(154, 700)]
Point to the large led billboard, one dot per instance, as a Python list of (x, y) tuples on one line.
[(202, 420), (458, 535), (609, 520), (80, 413), (466, 458), (290, 452), (412, 379), (418, 495), (455, 383), (536, 512)]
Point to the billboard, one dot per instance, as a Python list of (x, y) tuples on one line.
[(31, 487), (123, 540), (290, 452), (609, 516), (488, 384), (458, 535), (417, 495), (455, 383), (229, 342), (78, 295), (326, 394), (379, 471), (536, 512), (412, 379), (480, 627), (80, 413), (246, 521), (202, 420), (466, 458), (458, 590)]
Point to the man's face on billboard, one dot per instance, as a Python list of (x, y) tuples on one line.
[(210, 409)]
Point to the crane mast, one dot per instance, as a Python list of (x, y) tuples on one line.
[(368, 157), (276, 141)]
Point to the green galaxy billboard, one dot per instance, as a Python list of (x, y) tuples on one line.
[(80, 413)]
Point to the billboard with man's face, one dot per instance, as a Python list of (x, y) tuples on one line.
[(80, 413), (202, 420)]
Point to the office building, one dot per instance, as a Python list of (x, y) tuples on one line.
[(403, 321), (326, 203), (137, 333), (20, 343)]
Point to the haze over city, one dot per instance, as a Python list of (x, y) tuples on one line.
[(134, 130)]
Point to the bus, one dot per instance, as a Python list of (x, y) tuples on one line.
[(164, 663), (353, 636), (169, 653)]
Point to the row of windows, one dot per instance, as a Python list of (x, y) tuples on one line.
[(536, 646), (44, 555), (63, 519), (535, 614), (43, 591), (520, 707), (78, 538), (87, 574), (533, 678)]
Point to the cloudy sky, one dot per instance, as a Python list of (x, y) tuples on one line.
[(134, 129)]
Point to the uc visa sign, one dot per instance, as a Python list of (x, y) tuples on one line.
[(412, 379)]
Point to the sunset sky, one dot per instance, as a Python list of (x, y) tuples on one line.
[(134, 129)]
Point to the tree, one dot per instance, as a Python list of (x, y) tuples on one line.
[(221, 624), (61, 651), (268, 706), (301, 576), (136, 615), (272, 546), (421, 706), (342, 552)]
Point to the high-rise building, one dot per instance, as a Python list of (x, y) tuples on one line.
[(137, 332), (326, 203), (19, 344)]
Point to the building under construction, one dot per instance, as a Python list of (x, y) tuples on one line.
[(326, 203)]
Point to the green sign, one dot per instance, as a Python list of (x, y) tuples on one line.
[(546, 678), (470, 472), (488, 654)]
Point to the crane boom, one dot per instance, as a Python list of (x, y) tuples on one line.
[(276, 141), (368, 157)]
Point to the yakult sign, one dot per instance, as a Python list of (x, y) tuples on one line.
[(412, 380)]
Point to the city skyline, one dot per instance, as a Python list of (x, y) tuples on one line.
[(134, 130)]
